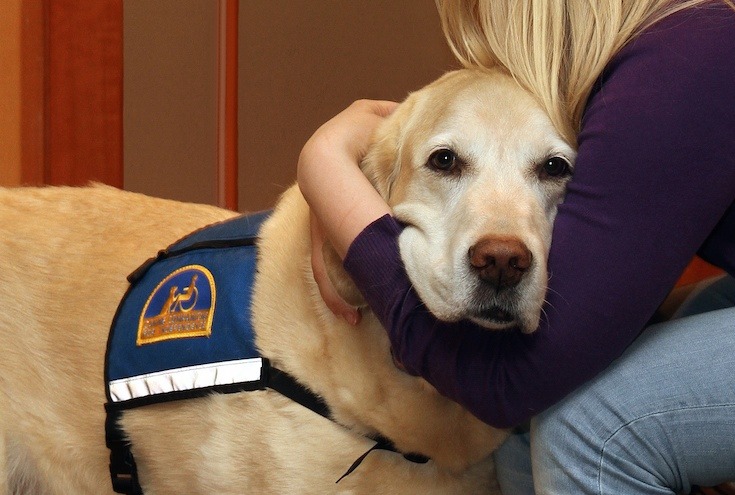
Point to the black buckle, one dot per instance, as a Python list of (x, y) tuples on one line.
[(123, 471)]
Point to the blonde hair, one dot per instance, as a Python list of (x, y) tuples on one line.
[(554, 48)]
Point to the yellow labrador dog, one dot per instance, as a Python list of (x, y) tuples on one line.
[(471, 165)]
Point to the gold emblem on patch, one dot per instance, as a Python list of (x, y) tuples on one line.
[(181, 306)]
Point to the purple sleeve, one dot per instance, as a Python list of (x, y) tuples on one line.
[(655, 176)]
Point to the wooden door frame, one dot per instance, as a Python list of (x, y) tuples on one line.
[(227, 133), (72, 94)]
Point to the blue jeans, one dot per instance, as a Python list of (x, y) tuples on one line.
[(659, 420)]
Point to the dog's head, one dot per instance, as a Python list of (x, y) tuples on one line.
[(475, 170)]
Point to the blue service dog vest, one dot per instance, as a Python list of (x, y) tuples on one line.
[(184, 330)]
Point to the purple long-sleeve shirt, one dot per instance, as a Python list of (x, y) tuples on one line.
[(654, 184)]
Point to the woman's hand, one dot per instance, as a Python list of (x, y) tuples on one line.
[(342, 200)]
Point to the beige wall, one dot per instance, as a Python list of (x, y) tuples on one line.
[(170, 98), (10, 92), (302, 61)]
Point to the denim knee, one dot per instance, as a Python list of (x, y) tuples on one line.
[(574, 453), (657, 421)]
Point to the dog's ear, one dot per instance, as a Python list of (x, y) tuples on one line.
[(382, 163)]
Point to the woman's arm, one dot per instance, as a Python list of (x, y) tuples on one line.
[(342, 200), (338, 193), (654, 175)]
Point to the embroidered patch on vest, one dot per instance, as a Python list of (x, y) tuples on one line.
[(181, 306), (183, 328)]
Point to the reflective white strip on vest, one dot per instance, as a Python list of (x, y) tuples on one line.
[(188, 378)]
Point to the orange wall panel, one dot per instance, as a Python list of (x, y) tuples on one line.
[(10, 92), (83, 91)]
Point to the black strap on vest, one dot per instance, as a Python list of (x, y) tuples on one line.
[(124, 472), (286, 385)]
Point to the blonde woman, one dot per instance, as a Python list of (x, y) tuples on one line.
[(646, 88)]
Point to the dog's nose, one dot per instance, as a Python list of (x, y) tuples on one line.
[(500, 261)]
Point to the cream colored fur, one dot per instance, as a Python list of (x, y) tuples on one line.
[(65, 256), (503, 139)]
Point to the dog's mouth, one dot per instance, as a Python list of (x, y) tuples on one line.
[(494, 317)]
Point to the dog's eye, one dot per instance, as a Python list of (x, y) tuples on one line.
[(443, 159), (555, 167)]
